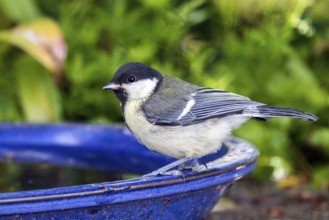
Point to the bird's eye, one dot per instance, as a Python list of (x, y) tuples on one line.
[(131, 79)]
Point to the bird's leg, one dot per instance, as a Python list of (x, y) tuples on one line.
[(193, 165), (188, 165), (165, 170)]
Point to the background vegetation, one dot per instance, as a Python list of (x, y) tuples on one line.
[(55, 56)]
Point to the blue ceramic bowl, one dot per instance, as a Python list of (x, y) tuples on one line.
[(114, 148)]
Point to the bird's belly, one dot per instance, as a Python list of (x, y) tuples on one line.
[(193, 141), (182, 141)]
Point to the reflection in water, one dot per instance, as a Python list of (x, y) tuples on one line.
[(20, 177)]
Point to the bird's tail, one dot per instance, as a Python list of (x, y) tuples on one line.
[(265, 111)]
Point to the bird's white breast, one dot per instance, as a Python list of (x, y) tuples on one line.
[(194, 140)]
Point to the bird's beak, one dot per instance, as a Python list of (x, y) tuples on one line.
[(112, 86)]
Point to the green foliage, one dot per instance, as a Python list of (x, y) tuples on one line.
[(275, 52), (40, 101), (20, 10)]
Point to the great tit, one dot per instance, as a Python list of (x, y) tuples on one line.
[(182, 120)]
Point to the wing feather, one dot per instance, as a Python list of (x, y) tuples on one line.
[(208, 103), (213, 103)]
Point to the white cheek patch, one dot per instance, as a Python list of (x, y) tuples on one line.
[(140, 89)]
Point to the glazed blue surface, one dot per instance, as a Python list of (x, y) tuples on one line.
[(114, 148)]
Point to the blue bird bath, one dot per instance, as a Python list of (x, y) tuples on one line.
[(114, 148)]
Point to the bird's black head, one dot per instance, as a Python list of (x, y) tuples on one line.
[(134, 81)]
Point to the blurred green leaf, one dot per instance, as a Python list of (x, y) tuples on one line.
[(20, 10), (160, 4), (37, 92), (320, 178), (42, 39), (320, 138)]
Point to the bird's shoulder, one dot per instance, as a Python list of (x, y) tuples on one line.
[(174, 88), (169, 99)]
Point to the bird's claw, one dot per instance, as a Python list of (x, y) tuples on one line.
[(200, 167), (167, 173)]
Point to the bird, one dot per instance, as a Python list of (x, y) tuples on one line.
[(182, 120)]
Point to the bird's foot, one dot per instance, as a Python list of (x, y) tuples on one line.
[(200, 167), (166, 173), (188, 165), (182, 164), (167, 170)]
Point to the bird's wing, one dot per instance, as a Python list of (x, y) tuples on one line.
[(203, 104)]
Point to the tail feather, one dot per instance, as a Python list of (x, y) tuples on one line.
[(265, 111)]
